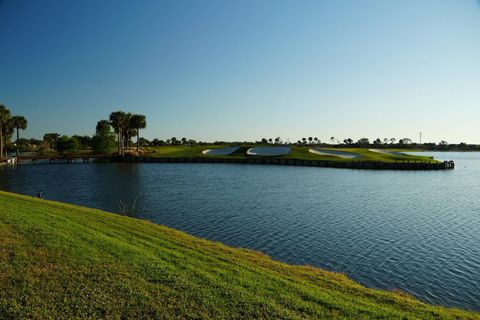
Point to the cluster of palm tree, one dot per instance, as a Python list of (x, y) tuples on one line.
[(126, 126), (8, 124), (310, 140)]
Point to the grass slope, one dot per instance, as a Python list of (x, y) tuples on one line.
[(296, 153), (62, 261)]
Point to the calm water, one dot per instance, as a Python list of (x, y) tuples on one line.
[(414, 231)]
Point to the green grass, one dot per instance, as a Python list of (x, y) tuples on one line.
[(60, 261), (296, 153)]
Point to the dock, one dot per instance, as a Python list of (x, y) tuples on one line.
[(85, 158)]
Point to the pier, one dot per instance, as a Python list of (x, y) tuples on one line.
[(85, 158)]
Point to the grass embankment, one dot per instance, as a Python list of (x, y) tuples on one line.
[(302, 153), (62, 261)]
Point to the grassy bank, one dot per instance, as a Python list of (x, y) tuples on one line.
[(297, 152), (64, 261)]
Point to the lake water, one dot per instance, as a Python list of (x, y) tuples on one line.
[(416, 231)]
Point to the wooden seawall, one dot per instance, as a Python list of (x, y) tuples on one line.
[(372, 165)]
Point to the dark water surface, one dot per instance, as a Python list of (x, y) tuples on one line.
[(414, 231)]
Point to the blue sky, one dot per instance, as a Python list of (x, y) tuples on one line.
[(243, 70)]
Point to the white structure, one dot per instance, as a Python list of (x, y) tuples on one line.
[(335, 153), (268, 151), (220, 151), (387, 152)]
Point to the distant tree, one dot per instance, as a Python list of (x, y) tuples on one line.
[(103, 142), (168, 141), (377, 141), (270, 140), (173, 141), (184, 140), (103, 126), (67, 144), (304, 140), (385, 140), (143, 142), (117, 121), (315, 139), (443, 143), (405, 141), (51, 140), (264, 140), (128, 131), (278, 140), (137, 122), (310, 139), (4, 119), (156, 142), (363, 141), (19, 123), (392, 140), (332, 140), (84, 141)]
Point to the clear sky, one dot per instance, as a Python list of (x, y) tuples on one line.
[(246, 69)]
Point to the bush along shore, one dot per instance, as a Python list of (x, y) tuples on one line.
[(60, 261)]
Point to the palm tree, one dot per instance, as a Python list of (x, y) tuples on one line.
[(102, 126), (4, 118), (310, 139), (117, 120), (18, 123), (138, 121), (332, 140), (128, 131)]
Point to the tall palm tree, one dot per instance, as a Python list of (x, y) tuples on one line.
[(138, 121), (117, 120), (4, 118), (18, 123)]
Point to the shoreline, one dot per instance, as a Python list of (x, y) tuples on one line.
[(367, 165)]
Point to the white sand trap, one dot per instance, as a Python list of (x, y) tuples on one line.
[(268, 151), (335, 153), (220, 151), (387, 152)]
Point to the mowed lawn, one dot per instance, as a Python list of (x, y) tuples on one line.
[(60, 261)]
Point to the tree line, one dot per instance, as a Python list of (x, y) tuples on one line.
[(115, 135), (9, 124)]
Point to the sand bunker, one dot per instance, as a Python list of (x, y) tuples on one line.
[(268, 151), (220, 151), (335, 153), (387, 152)]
